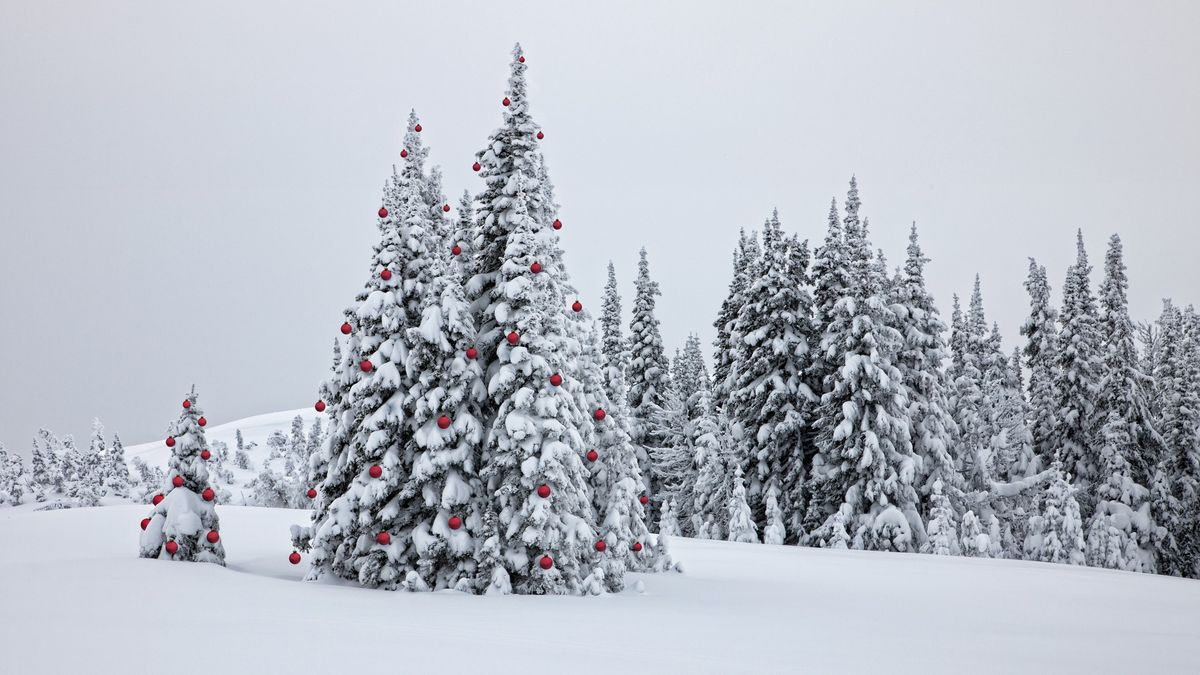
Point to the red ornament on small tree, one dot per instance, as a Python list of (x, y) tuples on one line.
[(417, 128), (543, 491), (294, 558), (600, 545), (202, 421), (170, 441), (513, 338), (506, 101), (476, 166), (205, 454), (644, 500), (456, 250), (145, 523), (577, 306), (592, 455), (455, 522), (320, 406), (208, 494), (386, 274), (156, 500), (521, 59), (312, 493), (555, 379), (346, 328), (536, 268), (177, 481), (383, 212), (213, 537), (186, 404), (383, 538), (172, 547), (546, 562), (472, 353), (599, 414), (637, 546), (446, 208), (375, 471), (557, 224), (540, 135), (366, 365), (443, 422), (404, 153)]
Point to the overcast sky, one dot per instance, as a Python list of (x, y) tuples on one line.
[(187, 190)]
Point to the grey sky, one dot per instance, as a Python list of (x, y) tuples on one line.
[(187, 189)]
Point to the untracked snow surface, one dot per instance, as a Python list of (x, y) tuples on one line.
[(74, 597)]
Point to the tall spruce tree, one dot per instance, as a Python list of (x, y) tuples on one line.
[(1041, 358), (646, 373), (1176, 489), (745, 260)]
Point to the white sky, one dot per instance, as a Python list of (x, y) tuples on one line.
[(187, 189)]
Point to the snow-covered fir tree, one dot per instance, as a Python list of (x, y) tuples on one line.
[(745, 261), (183, 523), (646, 374), (942, 525), (715, 457), (1056, 533), (13, 481), (741, 521), (1041, 358)]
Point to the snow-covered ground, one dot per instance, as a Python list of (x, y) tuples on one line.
[(74, 597)]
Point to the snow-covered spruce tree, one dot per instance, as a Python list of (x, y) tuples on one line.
[(116, 475), (745, 260), (1041, 358), (1057, 534), (85, 481), (775, 531), (442, 496), (769, 398), (534, 448), (741, 521), (646, 372), (972, 409), (183, 524), (12, 477), (715, 458), (1080, 367), (831, 282), (1176, 489), (864, 450), (673, 458), (610, 321), (357, 533), (942, 527), (693, 376), (920, 361)]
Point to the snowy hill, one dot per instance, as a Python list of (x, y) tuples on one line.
[(73, 578)]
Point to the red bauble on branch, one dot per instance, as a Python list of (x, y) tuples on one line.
[(443, 422), (312, 493), (170, 441), (172, 547), (294, 558), (506, 102), (417, 128), (205, 454), (472, 353), (637, 546), (202, 421), (455, 522), (456, 250), (546, 562), (577, 306), (386, 274), (156, 500), (446, 208), (404, 153), (600, 545), (599, 414), (208, 494), (555, 380), (346, 328), (375, 471), (592, 455), (320, 406), (514, 338), (644, 500), (213, 537), (476, 166), (536, 268), (366, 365), (145, 523), (383, 212), (177, 481), (540, 135), (543, 491), (521, 59), (383, 538), (186, 404), (557, 224)]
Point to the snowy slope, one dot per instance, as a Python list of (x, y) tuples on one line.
[(75, 598)]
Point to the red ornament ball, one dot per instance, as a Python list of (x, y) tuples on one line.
[(404, 153), (446, 208), (577, 306), (546, 562), (294, 558), (172, 547), (637, 546), (555, 379), (320, 406), (600, 545), (366, 365), (543, 491), (375, 471), (201, 421), (312, 493), (540, 135), (599, 414), (476, 166), (557, 224), (157, 500), (177, 481), (506, 101), (443, 422), (170, 441), (592, 455), (536, 268), (213, 537), (145, 523), (383, 538), (187, 403), (521, 59), (644, 500), (383, 212), (208, 494), (386, 274), (417, 128), (346, 328), (205, 454), (455, 522), (513, 338), (456, 250), (472, 353)]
